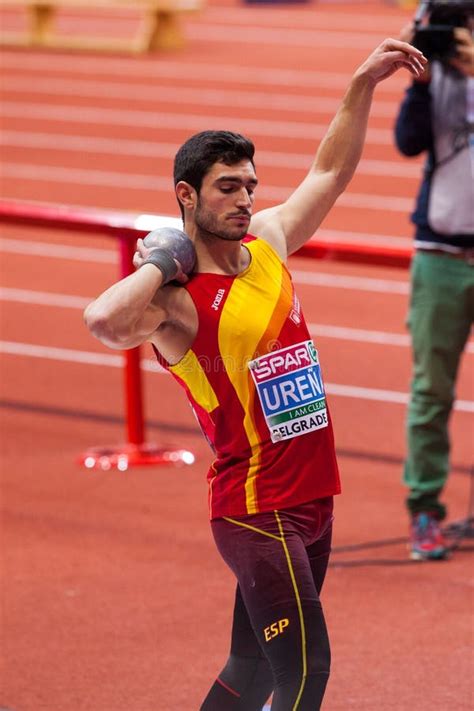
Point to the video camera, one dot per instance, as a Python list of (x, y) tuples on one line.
[(435, 21)]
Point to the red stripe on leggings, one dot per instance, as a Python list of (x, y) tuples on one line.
[(231, 691)]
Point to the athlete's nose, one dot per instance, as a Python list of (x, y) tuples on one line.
[(244, 198)]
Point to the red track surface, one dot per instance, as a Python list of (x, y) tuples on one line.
[(114, 598)]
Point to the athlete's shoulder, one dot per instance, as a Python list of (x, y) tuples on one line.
[(261, 245)]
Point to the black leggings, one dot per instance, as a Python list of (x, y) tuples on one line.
[(279, 637)]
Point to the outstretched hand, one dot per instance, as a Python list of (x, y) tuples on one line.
[(389, 57)]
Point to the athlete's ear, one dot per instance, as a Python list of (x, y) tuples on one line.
[(186, 195)]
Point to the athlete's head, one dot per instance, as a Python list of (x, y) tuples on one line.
[(214, 177), (197, 156)]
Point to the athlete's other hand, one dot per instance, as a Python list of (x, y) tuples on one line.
[(390, 56)]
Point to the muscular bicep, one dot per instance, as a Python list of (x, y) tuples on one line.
[(146, 327), (118, 328)]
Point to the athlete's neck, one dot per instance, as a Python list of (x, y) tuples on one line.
[(219, 256)]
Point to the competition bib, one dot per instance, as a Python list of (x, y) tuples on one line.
[(291, 391)]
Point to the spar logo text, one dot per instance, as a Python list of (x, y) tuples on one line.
[(291, 391), (283, 361)]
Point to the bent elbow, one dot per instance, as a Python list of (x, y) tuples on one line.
[(101, 327)]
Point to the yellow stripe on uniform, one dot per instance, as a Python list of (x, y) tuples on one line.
[(252, 528), (300, 612), (235, 346), (190, 371)]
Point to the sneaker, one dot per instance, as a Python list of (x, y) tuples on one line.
[(426, 540)]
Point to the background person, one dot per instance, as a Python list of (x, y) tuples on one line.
[(437, 117), (235, 337)]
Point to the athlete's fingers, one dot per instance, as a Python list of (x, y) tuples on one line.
[(137, 260), (415, 66), (181, 276), (396, 45)]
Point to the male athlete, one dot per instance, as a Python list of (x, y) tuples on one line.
[(234, 336)]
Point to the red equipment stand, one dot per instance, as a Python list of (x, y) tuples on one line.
[(124, 456), (124, 226)]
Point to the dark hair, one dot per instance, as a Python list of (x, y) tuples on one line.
[(197, 156)]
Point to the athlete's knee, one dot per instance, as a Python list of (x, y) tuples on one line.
[(318, 650), (313, 659), (317, 666), (319, 657)]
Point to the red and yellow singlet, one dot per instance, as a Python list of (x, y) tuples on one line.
[(253, 378)]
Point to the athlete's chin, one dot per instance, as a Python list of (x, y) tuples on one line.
[(232, 236), (235, 233), (226, 233)]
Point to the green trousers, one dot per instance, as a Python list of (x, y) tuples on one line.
[(440, 317)]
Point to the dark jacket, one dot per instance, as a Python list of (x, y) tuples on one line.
[(413, 135)]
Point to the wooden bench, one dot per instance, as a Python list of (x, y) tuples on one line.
[(161, 28)]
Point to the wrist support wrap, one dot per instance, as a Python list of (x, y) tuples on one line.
[(164, 261)]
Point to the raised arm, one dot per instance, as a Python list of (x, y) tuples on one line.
[(289, 225)]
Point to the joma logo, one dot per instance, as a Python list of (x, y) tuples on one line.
[(218, 299)]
